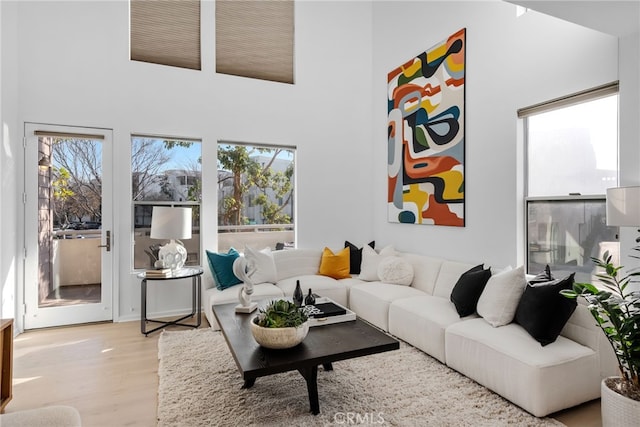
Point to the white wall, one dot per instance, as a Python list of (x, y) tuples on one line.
[(67, 63), (74, 70), (511, 63), (629, 63), (10, 162)]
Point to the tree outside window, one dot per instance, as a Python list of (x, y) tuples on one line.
[(255, 194)]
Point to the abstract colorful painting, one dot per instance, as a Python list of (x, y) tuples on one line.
[(426, 136)]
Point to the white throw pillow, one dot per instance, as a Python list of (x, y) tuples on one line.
[(500, 297), (370, 261), (262, 261), (395, 270)]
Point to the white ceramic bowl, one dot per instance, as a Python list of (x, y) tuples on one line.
[(278, 338)]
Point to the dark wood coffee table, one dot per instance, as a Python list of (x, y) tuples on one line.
[(322, 346)]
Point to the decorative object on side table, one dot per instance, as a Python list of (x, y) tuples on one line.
[(152, 252), (244, 271), (158, 272), (298, 296), (173, 224), (616, 311), (280, 325)]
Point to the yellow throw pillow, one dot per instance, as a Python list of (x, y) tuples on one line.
[(335, 265)]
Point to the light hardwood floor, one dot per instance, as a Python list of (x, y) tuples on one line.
[(109, 372)]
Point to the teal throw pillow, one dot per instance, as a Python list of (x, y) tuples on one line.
[(221, 266)]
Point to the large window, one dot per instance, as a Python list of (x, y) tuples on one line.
[(165, 172), (255, 196), (571, 159)]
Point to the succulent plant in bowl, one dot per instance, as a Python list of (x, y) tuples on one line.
[(281, 324), (280, 314)]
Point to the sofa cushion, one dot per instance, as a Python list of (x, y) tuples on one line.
[(425, 271), (422, 321), (348, 283), (508, 361), (395, 270), (500, 297), (335, 265), (355, 256), (221, 266), (370, 261), (296, 262), (262, 261), (448, 276), (371, 300), (543, 312), (468, 288)]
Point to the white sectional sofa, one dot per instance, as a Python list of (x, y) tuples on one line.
[(505, 359)]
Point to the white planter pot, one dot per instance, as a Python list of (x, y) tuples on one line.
[(618, 410), (279, 337)]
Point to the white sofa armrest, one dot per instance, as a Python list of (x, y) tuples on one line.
[(582, 328)]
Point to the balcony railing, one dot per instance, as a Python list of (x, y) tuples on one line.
[(77, 253), (257, 236), (76, 257)]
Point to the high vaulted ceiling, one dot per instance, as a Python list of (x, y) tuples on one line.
[(618, 18)]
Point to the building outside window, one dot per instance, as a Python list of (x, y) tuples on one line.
[(571, 147), (165, 172), (255, 196)]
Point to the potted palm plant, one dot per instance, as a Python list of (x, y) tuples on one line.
[(281, 324), (617, 312)]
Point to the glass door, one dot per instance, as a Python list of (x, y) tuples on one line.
[(68, 225)]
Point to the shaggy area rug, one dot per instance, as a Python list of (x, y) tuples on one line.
[(200, 386)]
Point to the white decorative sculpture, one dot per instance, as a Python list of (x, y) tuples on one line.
[(244, 271)]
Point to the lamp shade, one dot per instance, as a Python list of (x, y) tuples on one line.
[(623, 206), (170, 223)]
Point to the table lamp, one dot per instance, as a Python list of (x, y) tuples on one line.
[(173, 224), (623, 208)]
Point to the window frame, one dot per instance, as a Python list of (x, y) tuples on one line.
[(196, 226), (248, 197), (577, 98)]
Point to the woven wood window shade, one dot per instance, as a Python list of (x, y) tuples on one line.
[(166, 32), (255, 39)]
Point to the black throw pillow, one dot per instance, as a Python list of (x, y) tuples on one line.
[(355, 255), (543, 312), (543, 277), (468, 288)]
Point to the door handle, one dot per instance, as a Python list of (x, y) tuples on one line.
[(108, 245)]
